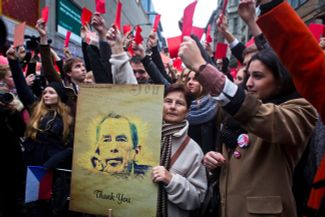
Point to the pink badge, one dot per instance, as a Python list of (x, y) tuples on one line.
[(237, 154), (243, 140)]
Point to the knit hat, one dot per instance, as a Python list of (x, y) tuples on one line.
[(3, 60), (60, 90)]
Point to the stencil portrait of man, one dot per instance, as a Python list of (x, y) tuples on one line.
[(117, 147)]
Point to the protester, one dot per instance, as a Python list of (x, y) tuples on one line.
[(182, 178), (12, 127), (202, 115), (285, 32), (48, 140), (279, 124)]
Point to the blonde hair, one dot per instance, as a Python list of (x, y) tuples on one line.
[(40, 110)]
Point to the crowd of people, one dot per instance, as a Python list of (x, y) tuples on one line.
[(244, 144)]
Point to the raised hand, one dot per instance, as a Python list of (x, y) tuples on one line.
[(213, 159), (138, 49), (114, 38), (222, 25), (160, 174), (30, 79), (83, 32), (246, 10), (208, 48), (11, 53), (98, 22), (190, 54), (67, 52), (152, 40), (127, 40), (41, 27)]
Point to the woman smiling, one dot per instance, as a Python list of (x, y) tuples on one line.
[(256, 175)]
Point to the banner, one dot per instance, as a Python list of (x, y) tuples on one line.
[(68, 18), (117, 142)]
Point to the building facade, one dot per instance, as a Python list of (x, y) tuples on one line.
[(64, 15)]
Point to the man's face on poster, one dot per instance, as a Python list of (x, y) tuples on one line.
[(115, 145)]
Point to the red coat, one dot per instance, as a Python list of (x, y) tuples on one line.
[(299, 52)]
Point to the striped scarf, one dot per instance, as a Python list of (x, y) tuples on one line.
[(202, 110), (168, 130)]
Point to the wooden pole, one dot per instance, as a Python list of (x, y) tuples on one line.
[(110, 213)]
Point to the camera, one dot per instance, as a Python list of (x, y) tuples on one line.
[(32, 42), (6, 98)]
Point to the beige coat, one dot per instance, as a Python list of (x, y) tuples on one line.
[(259, 183), (187, 188)]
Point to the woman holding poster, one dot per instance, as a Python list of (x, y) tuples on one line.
[(181, 175)]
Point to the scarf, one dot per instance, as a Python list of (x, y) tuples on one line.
[(202, 110), (168, 130)]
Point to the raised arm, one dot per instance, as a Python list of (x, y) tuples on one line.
[(121, 68), (284, 123), (84, 45), (156, 58), (105, 52), (47, 63), (25, 94), (151, 68), (297, 48), (237, 48)]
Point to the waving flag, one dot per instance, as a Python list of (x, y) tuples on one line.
[(38, 184)]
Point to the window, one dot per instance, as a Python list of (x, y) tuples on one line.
[(235, 26)]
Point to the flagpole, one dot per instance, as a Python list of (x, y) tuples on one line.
[(110, 213)]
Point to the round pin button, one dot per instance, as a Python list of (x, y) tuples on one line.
[(237, 154), (243, 140)]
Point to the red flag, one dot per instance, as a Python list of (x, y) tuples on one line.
[(126, 29), (188, 19), (156, 22), (130, 50), (45, 14), (224, 7), (178, 64), (208, 34), (67, 39), (173, 45), (100, 6), (221, 51), (118, 15), (197, 31), (317, 30), (19, 34), (138, 38), (85, 16)]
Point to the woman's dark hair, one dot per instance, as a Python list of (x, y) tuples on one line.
[(204, 90), (179, 87), (280, 73)]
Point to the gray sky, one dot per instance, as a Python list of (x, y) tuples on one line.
[(172, 10)]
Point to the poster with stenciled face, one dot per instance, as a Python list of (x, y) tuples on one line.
[(116, 145)]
